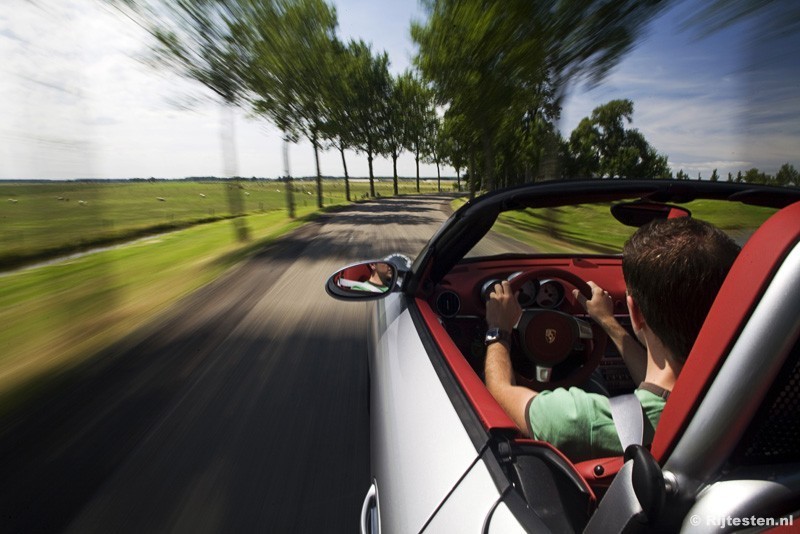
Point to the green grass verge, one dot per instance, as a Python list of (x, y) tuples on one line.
[(590, 228), (56, 316)]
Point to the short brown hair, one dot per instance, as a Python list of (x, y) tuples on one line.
[(673, 269)]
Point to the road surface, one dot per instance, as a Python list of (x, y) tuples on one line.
[(242, 410)]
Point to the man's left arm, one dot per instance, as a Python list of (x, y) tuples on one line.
[(503, 311)]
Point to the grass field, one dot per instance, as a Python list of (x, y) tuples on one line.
[(57, 315), (46, 219)]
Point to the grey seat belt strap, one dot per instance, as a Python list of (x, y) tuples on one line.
[(628, 416)]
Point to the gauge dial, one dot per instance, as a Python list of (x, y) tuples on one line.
[(550, 295), (527, 293)]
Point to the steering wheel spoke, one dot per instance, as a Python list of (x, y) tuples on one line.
[(543, 374), (584, 329)]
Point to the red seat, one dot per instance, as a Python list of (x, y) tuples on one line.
[(357, 273)]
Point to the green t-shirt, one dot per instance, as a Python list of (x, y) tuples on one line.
[(369, 287), (579, 424)]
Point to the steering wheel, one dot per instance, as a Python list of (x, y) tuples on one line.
[(547, 337)]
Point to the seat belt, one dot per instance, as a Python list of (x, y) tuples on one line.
[(628, 416)]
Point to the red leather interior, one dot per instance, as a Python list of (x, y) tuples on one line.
[(490, 413), (741, 291), (357, 273), (600, 473)]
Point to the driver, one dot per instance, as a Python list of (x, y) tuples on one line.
[(380, 276), (673, 270)]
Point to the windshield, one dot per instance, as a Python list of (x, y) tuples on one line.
[(591, 228)]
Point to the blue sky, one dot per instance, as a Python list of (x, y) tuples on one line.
[(77, 103)]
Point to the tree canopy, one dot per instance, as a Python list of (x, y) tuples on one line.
[(485, 95)]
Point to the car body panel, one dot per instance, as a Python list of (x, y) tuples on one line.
[(413, 424), (504, 522), (471, 504)]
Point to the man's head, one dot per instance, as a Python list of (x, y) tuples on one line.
[(673, 270), (381, 273)]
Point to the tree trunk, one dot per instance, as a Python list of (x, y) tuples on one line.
[(416, 158), (228, 138), (346, 177), (458, 178), (394, 167), (473, 181), (371, 175), (288, 175), (488, 162), (438, 177), (319, 173)]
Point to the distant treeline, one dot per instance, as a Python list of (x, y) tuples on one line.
[(204, 179)]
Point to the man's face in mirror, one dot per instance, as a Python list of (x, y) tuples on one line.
[(381, 273)]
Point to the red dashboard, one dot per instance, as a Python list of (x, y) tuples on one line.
[(459, 302)]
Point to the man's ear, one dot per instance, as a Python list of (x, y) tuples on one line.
[(637, 319)]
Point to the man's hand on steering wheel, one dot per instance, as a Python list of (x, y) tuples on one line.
[(600, 307), (502, 308)]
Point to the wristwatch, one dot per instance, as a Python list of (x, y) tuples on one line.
[(495, 334)]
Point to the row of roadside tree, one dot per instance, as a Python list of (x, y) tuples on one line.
[(484, 98)]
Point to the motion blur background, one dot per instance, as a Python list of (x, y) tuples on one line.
[(714, 89)]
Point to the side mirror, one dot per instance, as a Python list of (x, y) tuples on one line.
[(641, 212), (369, 280)]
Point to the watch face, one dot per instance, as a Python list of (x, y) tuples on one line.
[(494, 334)]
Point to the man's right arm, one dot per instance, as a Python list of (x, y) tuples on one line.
[(601, 309)]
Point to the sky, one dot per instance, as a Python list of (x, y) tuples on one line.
[(78, 102)]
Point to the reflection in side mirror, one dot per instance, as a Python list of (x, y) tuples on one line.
[(641, 212), (363, 281)]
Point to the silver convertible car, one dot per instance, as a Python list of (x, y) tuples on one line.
[(445, 457)]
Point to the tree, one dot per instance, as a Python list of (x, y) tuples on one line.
[(201, 40), (714, 176), (787, 175), (601, 146), (292, 52), (420, 118), (197, 39), (371, 82), (395, 119), (469, 51), (754, 176), (341, 101), (495, 62), (454, 143), (435, 150)]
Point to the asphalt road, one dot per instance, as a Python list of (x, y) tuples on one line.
[(243, 410)]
